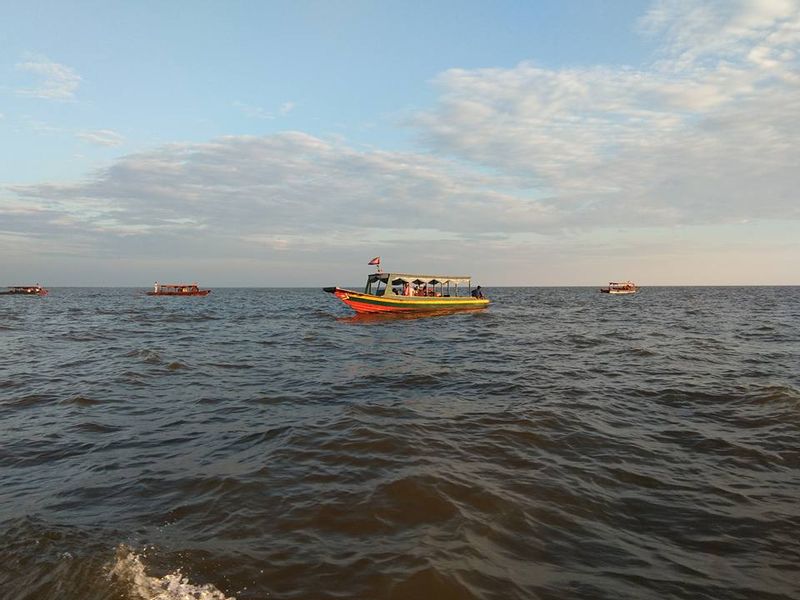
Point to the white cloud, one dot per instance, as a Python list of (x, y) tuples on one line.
[(56, 81), (102, 137), (707, 133)]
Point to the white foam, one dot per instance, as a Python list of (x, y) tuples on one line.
[(129, 569)]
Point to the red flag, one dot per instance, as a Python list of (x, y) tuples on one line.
[(375, 261)]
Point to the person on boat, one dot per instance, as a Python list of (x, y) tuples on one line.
[(155, 287), (477, 293)]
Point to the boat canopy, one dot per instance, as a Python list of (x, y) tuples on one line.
[(400, 278)]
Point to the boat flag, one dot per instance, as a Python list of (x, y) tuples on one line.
[(376, 261)]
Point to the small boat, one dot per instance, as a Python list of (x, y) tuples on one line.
[(25, 290), (177, 289), (620, 287), (404, 292)]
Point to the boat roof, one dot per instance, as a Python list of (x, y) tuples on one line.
[(177, 285), (411, 278)]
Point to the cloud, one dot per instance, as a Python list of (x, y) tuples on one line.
[(102, 137), (256, 112), (57, 81), (283, 185), (703, 134)]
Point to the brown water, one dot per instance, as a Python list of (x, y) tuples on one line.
[(261, 444)]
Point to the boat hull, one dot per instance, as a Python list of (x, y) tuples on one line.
[(370, 304), (197, 293), (41, 292), (605, 291)]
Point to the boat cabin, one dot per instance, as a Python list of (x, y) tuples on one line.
[(404, 284), (176, 288), (620, 287)]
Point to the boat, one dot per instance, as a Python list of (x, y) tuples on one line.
[(177, 289), (405, 292), (25, 290), (620, 287)]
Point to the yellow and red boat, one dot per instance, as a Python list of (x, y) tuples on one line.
[(404, 292)]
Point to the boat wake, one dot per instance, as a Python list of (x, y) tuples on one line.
[(128, 569)]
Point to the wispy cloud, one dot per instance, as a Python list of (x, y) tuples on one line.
[(102, 137), (56, 81), (256, 112)]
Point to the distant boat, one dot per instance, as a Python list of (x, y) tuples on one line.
[(403, 292), (620, 287), (177, 289), (25, 290)]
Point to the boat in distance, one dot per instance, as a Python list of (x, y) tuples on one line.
[(25, 290), (620, 287), (405, 292), (177, 289)]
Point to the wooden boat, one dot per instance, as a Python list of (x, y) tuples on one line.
[(25, 290), (403, 292), (177, 289), (620, 287)]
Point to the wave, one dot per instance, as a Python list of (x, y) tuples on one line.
[(129, 570), (81, 401), (150, 357)]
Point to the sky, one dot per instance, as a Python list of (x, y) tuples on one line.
[(288, 143)]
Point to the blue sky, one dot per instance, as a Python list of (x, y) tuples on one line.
[(547, 143)]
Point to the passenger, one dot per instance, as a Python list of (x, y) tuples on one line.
[(477, 293), (406, 289)]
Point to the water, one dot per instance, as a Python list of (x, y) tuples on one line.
[(262, 444)]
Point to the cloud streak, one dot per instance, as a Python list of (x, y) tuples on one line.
[(56, 81), (102, 137)]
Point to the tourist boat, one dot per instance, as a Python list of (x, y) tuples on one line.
[(177, 289), (25, 290), (403, 292), (620, 287)]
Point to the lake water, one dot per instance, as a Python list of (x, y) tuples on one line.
[(263, 443)]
